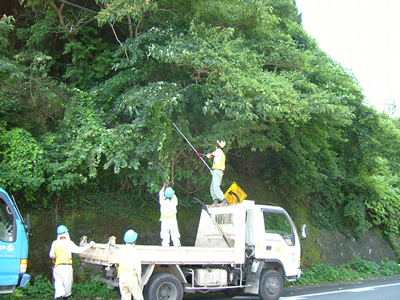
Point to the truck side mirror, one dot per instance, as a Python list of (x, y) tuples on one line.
[(27, 223), (304, 230)]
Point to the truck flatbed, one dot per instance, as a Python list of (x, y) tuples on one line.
[(239, 248), (210, 247)]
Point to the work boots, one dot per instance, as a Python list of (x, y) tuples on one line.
[(224, 202)]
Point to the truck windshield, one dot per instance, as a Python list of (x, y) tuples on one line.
[(6, 223), (279, 224)]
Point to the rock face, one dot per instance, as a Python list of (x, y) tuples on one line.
[(336, 248)]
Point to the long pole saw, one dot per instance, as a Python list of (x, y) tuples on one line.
[(194, 149)]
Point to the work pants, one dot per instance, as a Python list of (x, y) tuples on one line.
[(62, 275), (169, 230), (215, 188), (129, 286)]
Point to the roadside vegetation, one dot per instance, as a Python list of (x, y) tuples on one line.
[(358, 269)]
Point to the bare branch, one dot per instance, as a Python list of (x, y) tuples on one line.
[(116, 37)]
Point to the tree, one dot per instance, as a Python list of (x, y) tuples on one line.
[(116, 11), (242, 71)]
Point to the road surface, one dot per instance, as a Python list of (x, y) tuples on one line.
[(371, 289)]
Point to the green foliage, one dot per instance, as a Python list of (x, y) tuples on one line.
[(233, 77), (32, 100), (258, 19), (355, 212), (320, 273), (6, 25), (38, 288), (39, 33), (352, 271), (92, 290), (388, 268), (364, 267), (325, 214), (41, 288), (92, 59), (242, 71), (22, 162), (115, 11)]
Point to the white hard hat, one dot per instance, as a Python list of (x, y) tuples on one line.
[(221, 143)]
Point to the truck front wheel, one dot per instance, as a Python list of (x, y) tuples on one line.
[(271, 285), (163, 286)]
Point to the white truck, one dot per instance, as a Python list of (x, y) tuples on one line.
[(241, 248)]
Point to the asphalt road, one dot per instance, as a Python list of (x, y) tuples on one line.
[(371, 289)]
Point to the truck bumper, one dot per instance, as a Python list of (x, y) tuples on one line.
[(299, 272), (24, 280)]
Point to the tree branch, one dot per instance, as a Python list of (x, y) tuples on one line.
[(116, 37)]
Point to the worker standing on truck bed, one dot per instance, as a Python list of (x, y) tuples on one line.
[(217, 173), (169, 225), (61, 252), (129, 268)]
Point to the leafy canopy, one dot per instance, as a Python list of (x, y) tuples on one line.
[(91, 92)]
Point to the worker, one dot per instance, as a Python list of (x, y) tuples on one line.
[(218, 169), (61, 252), (129, 268), (169, 225)]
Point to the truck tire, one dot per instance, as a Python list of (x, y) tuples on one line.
[(163, 286), (271, 285)]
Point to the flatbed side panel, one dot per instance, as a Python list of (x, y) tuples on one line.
[(105, 254), (186, 255)]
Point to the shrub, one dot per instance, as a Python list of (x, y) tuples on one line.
[(42, 288), (319, 273), (39, 288), (389, 268), (365, 267), (355, 270)]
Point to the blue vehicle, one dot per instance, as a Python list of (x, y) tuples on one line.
[(14, 232)]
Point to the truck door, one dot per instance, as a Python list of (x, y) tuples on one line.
[(10, 244), (280, 241)]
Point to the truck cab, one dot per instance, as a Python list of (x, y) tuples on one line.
[(265, 240), (13, 245)]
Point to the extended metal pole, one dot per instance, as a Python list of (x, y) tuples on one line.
[(194, 149)]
